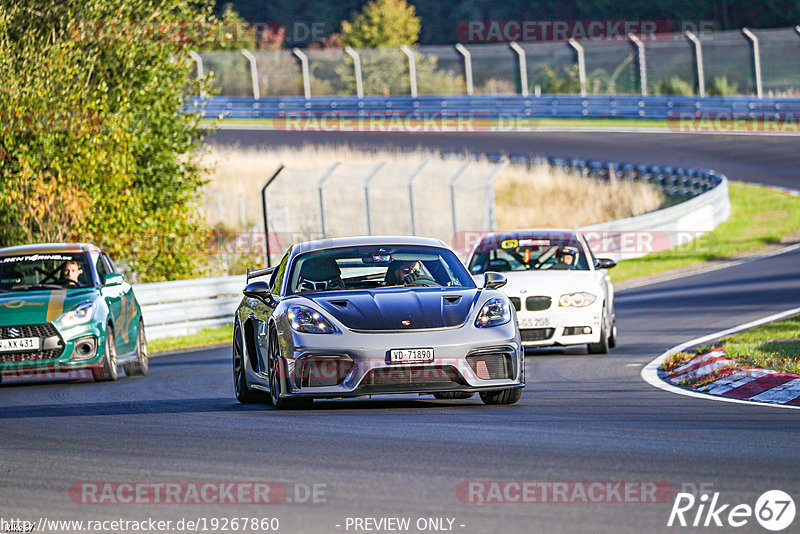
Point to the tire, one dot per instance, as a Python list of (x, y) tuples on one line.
[(503, 396), (452, 395), (275, 364), (243, 393), (601, 347), (108, 373), (142, 363), (612, 339)]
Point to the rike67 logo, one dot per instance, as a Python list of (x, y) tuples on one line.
[(774, 510)]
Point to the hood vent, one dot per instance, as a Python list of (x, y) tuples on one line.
[(339, 303), (452, 299)]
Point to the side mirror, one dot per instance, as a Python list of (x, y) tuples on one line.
[(114, 279), (492, 280), (604, 263), (258, 290)]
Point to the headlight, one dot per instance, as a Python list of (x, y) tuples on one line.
[(495, 312), (578, 300), (304, 319), (80, 314)]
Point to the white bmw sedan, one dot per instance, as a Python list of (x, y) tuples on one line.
[(562, 293)]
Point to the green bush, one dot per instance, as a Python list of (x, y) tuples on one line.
[(93, 145), (720, 86), (673, 86)]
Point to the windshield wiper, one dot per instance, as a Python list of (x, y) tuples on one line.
[(28, 287)]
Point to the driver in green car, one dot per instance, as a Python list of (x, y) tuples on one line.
[(72, 272), (64, 307)]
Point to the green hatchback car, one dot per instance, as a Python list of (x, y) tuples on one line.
[(65, 307)]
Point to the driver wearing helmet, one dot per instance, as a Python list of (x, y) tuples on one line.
[(565, 258)]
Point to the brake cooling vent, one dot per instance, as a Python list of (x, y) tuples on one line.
[(492, 366)]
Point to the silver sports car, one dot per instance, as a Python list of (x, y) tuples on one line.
[(368, 316)]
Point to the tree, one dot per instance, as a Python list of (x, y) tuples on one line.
[(94, 143), (382, 23)]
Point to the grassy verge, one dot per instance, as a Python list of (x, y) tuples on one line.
[(759, 217), (204, 338), (770, 346)]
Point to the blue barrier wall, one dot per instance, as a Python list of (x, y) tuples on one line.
[(493, 107)]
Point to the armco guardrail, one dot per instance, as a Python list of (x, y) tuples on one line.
[(187, 306), (290, 111)]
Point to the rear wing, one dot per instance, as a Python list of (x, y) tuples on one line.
[(257, 273)]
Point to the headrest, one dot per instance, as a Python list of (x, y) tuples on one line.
[(320, 269)]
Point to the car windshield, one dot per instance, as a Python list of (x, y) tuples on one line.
[(529, 253), (374, 267), (32, 272)]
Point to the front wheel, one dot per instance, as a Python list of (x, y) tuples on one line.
[(108, 372), (276, 376), (142, 363), (503, 396), (601, 347), (244, 394)]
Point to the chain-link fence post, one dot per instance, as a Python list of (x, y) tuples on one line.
[(642, 62), (198, 61), (581, 64), (698, 54), (372, 175), (357, 67), (523, 68), (412, 69), (467, 66), (320, 186), (453, 181), (411, 179), (756, 58), (306, 71), (490, 216), (253, 73)]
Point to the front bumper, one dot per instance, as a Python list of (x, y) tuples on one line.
[(60, 351), (466, 359), (560, 326)]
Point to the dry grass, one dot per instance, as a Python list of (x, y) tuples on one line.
[(525, 197), (548, 197)]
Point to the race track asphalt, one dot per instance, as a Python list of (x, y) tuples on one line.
[(581, 417)]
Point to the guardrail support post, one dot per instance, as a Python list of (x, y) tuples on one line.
[(581, 64), (411, 179), (264, 210), (320, 186), (198, 61), (467, 66), (357, 65), (756, 58), (306, 72), (253, 72), (698, 54), (523, 66), (372, 175), (412, 69), (642, 62)]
